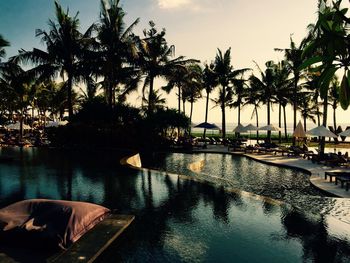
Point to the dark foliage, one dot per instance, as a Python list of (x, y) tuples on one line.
[(97, 125)]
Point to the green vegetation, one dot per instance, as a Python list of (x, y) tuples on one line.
[(110, 62)]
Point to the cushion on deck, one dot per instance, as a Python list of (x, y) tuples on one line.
[(48, 223)]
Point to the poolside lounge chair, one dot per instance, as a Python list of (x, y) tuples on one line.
[(335, 160), (281, 149), (307, 153), (342, 177), (295, 151)]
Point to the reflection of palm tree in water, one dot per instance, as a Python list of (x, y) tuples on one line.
[(153, 220), (318, 245)]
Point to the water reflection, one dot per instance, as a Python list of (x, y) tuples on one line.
[(176, 220)]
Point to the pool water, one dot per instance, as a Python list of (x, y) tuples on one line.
[(176, 220)]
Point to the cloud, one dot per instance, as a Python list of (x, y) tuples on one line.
[(192, 5), (171, 4)]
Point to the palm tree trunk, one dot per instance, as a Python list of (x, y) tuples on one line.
[(296, 79), (21, 126), (239, 118), (280, 122), (334, 117), (179, 99), (206, 113), (318, 114), (223, 95), (239, 113), (191, 111), (184, 106), (223, 122), (69, 96), (257, 123), (325, 110), (268, 120), (285, 123), (150, 103)]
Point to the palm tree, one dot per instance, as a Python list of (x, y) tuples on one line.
[(265, 87), (294, 58), (329, 46), (18, 84), (116, 48), (3, 44), (306, 107), (193, 89), (64, 47), (155, 58), (156, 97), (237, 101), (283, 87), (253, 98), (311, 85), (227, 78), (177, 78), (209, 82), (334, 99)]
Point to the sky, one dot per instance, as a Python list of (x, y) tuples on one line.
[(197, 28)]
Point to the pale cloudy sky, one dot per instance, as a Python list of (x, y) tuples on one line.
[(252, 28)]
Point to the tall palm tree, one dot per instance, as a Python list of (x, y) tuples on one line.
[(311, 85), (238, 91), (334, 99), (283, 87), (253, 98), (116, 49), (178, 77), (210, 82), (18, 83), (306, 107), (227, 78), (294, 58), (265, 87), (64, 48), (155, 58), (3, 43), (193, 89)]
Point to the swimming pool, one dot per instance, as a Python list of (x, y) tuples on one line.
[(176, 220)]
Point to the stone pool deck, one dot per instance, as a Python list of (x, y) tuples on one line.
[(317, 171)]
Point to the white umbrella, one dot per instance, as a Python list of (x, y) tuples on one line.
[(322, 132), (345, 133), (240, 128), (269, 127), (16, 126), (299, 131)]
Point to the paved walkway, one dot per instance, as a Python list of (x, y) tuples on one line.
[(316, 171)]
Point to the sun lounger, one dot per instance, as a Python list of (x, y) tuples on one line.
[(282, 150), (335, 160), (342, 177), (343, 180)]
